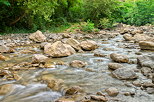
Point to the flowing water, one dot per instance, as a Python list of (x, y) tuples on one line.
[(93, 78)]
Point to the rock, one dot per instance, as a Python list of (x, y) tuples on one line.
[(2, 58), (114, 66), (58, 49), (4, 89), (146, 61), (119, 58), (66, 35), (88, 45), (99, 55), (74, 43), (43, 44), (136, 31), (150, 90), (137, 83), (65, 100), (52, 82), (39, 58), (37, 36), (99, 98), (73, 90), (141, 37), (78, 64), (127, 37), (124, 74), (146, 45), (112, 91), (4, 49)]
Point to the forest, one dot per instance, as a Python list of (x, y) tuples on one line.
[(57, 15)]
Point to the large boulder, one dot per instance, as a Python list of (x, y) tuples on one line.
[(78, 64), (141, 37), (37, 36), (58, 49), (124, 74), (74, 43), (119, 58), (146, 61), (88, 45), (39, 58), (146, 45), (4, 49)]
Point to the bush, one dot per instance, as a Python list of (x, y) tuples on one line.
[(88, 27), (137, 13)]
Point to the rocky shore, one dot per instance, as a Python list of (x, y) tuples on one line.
[(111, 66)]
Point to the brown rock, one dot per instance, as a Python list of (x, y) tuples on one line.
[(39, 58), (78, 64), (99, 98), (37, 36), (119, 58), (114, 66), (4, 89), (4, 49), (141, 37), (127, 37), (124, 74), (112, 91), (73, 90), (88, 45), (74, 43), (3, 58), (58, 49), (146, 45)]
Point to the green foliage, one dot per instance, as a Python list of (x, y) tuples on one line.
[(35, 15), (95, 10), (105, 23), (88, 27), (139, 12)]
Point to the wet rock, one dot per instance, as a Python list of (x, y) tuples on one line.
[(148, 84), (146, 70), (66, 35), (146, 61), (58, 49), (99, 98), (73, 90), (112, 91), (99, 54), (2, 58), (39, 58), (124, 74), (4, 49), (65, 100), (43, 44), (74, 43), (146, 45), (5, 89), (137, 83), (88, 45), (150, 90), (52, 82), (141, 37), (78, 64), (119, 58), (114, 66), (37, 36), (127, 37)]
